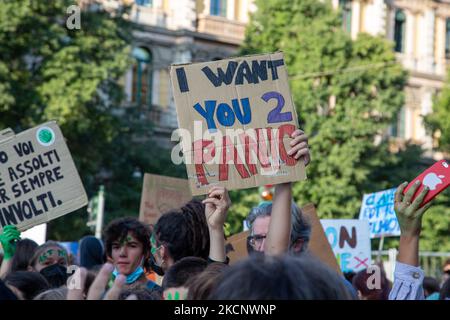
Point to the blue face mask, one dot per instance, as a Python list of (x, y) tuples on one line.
[(132, 277)]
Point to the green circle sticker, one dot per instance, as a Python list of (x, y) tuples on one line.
[(45, 136)]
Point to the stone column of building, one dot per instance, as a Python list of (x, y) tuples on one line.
[(426, 48), (184, 14), (206, 7), (390, 21), (375, 17), (335, 4), (243, 10), (426, 107), (183, 54), (440, 45), (409, 60), (230, 10), (356, 18), (408, 117)]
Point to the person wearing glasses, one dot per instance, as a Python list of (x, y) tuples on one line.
[(259, 221)]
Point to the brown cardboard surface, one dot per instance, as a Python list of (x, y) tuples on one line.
[(161, 194), (257, 85), (38, 178), (237, 246), (318, 243)]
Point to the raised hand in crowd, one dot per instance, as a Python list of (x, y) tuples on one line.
[(278, 235), (97, 291), (217, 204), (408, 277), (299, 146), (409, 215), (8, 238)]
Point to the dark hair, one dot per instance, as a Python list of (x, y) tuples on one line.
[(263, 277), (182, 270), (141, 294), (349, 275), (447, 262), (430, 285), (300, 227), (184, 231), (25, 249), (201, 285), (360, 282), (39, 250), (444, 294), (29, 283), (6, 293), (53, 294), (90, 251), (118, 230)]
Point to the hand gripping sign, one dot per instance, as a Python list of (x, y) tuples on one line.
[(38, 179), (236, 117)]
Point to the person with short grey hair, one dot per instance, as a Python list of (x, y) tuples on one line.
[(258, 222)]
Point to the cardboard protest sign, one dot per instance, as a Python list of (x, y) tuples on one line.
[(318, 244), (38, 234), (378, 209), (161, 194), (38, 179), (236, 117), (350, 241), (236, 247)]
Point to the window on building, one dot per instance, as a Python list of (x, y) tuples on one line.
[(398, 128), (144, 3), (399, 30), (447, 38), (142, 77), (219, 8), (346, 7)]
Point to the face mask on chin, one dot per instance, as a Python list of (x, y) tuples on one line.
[(55, 274), (134, 276)]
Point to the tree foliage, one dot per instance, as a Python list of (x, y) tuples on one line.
[(347, 93), (48, 72), (438, 122)]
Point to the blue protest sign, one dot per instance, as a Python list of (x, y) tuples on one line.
[(378, 209)]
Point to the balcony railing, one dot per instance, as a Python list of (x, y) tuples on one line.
[(221, 27), (153, 16)]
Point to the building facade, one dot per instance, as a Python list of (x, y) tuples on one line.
[(420, 30), (181, 31)]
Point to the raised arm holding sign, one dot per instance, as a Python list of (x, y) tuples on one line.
[(236, 119)]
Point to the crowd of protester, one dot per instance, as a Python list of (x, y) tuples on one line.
[(183, 256)]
